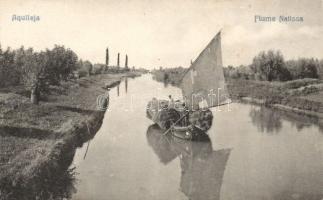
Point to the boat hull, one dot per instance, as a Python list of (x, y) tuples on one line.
[(181, 121)]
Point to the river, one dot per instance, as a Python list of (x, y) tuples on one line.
[(252, 153)]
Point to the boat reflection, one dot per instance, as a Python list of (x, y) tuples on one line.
[(202, 168)]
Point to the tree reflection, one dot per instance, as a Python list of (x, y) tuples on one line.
[(126, 84), (270, 120), (298, 120), (266, 120), (321, 126)]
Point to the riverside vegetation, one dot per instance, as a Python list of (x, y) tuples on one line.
[(39, 136), (289, 85)]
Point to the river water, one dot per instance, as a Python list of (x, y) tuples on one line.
[(252, 153)]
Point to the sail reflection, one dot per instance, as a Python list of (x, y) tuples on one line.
[(202, 168)]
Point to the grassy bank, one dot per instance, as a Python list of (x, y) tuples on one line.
[(304, 96), (303, 93), (36, 139), (301, 96)]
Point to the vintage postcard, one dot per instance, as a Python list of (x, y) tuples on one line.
[(161, 100)]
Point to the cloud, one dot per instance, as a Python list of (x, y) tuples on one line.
[(163, 33), (242, 43)]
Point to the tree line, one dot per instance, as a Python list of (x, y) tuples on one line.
[(37, 71), (271, 66), (266, 66), (169, 75)]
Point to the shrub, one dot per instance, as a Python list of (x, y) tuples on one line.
[(241, 72), (85, 67), (9, 71), (270, 66), (82, 73), (98, 68), (60, 63), (169, 75), (303, 68)]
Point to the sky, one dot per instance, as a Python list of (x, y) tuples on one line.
[(165, 33)]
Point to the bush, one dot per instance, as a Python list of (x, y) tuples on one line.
[(98, 68), (320, 69), (241, 72), (169, 75), (9, 70), (270, 66), (82, 73), (84, 67), (60, 63), (303, 68)]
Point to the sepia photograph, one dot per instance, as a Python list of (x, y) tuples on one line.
[(161, 100)]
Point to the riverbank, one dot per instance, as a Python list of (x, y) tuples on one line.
[(35, 139), (303, 96)]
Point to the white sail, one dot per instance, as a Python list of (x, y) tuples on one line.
[(203, 84)]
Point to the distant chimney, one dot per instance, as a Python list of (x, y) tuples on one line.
[(107, 58), (118, 61), (126, 62)]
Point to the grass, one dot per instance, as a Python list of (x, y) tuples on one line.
[(301, 94), (33, 138)]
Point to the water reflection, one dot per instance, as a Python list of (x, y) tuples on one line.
[(299, 121), (270, 120), (202, 168), (120, 164), (126, 84), (266, 120)]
